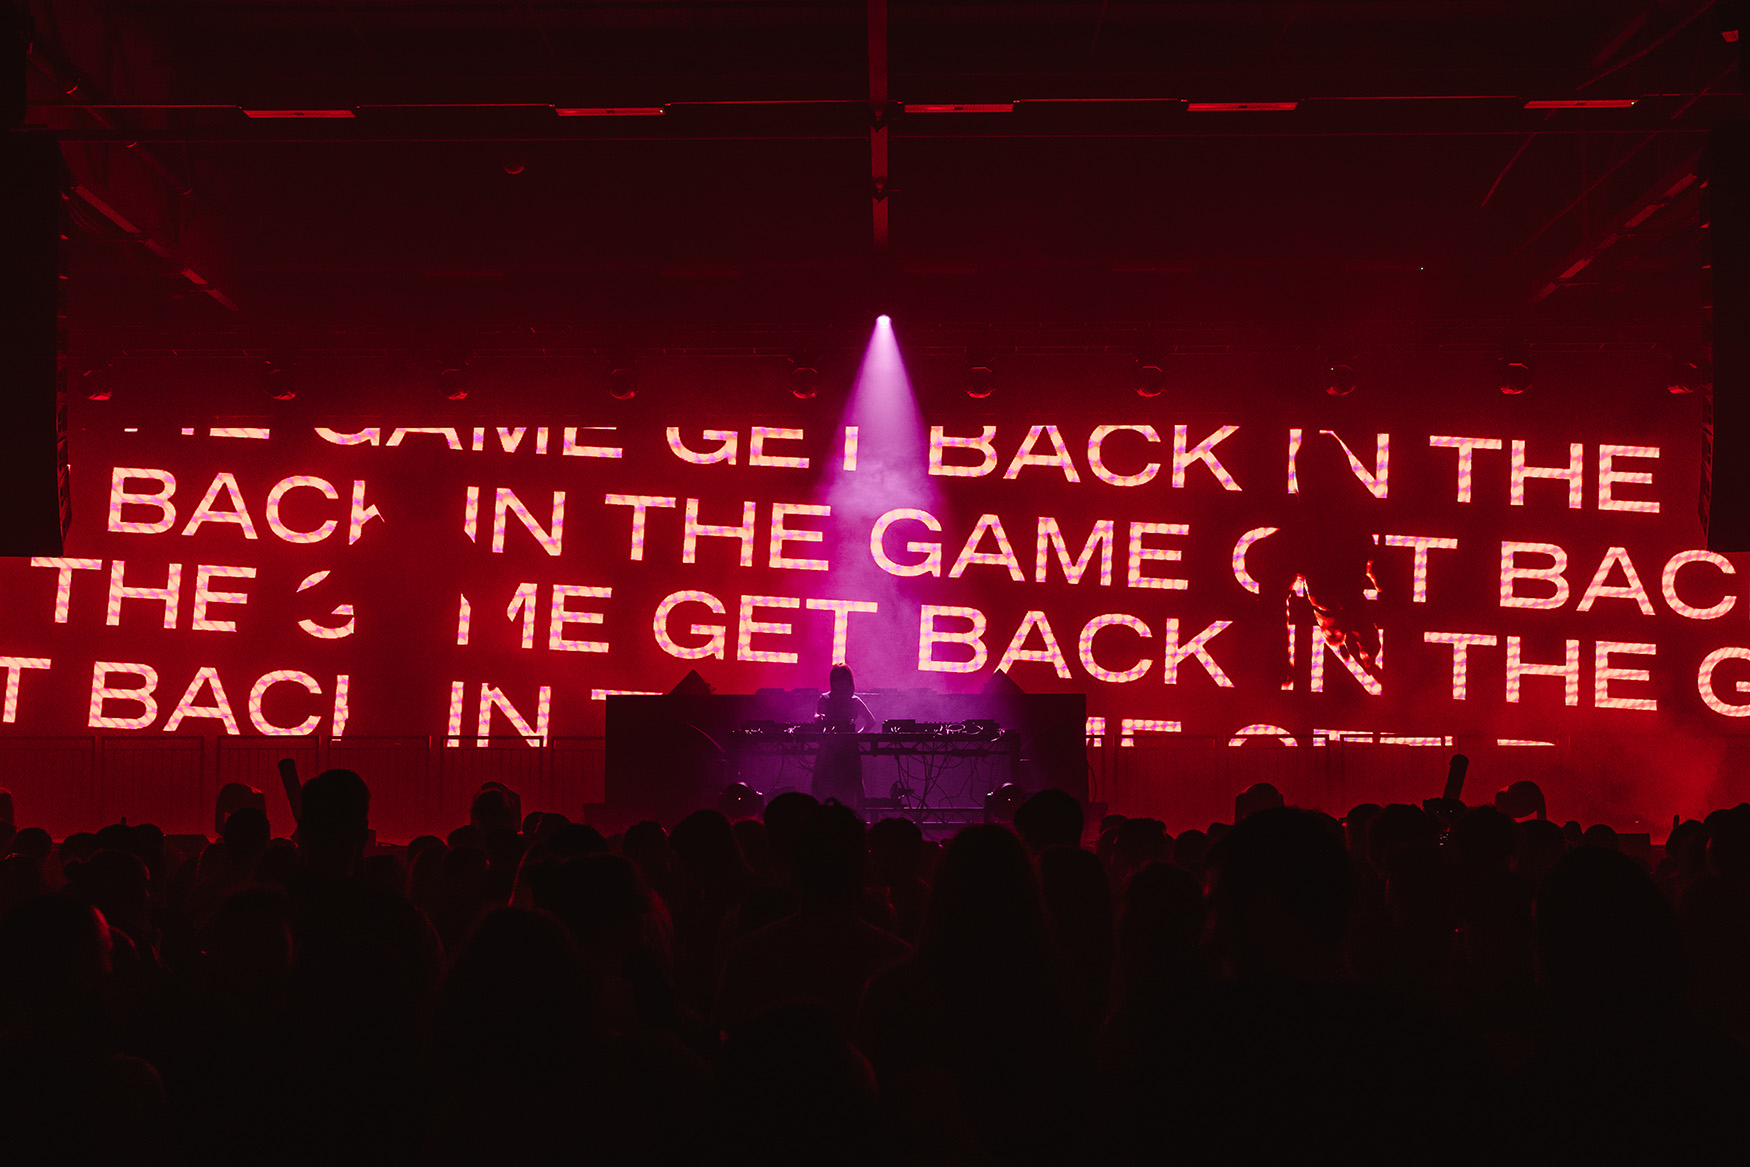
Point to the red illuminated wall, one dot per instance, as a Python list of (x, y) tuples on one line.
[(383, 563)]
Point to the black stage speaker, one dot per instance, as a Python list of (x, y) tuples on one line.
[(33, 410), (1725, 485)]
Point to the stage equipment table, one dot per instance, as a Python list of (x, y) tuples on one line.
[(925, 766)]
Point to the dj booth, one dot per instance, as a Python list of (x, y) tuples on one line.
[(940, 772), (935, 758)]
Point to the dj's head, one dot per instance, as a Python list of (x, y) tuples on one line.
[(839, 680)]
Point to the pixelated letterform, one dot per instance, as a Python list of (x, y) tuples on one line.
[(1241, 547), (1421, 544), (522, 603), (64, 569), (1097, 463), (1321, 648), (1059, 457), (1467, 448), (1630, 589), (930, 565), (560, 617), (1085, 647), (447, 433), (640, 504), (1003, 556), (1668, 584), (1203, 452), (1378, 480), (337, 726), (361, 514), (1553, 574), (1103, 535), (286, 485), (102, 691), (1461, 643), (759, 435), (1572, 473), (455, 724), (1704, 682), (168, 595), (1049, 653), (258, 692), (940, 443), (208, 512), (929, 636), (492, 697), (1603, 672), (1198, 647), (551, 537), (365, 437), (1568, 670), (15, 666), (782, 534), (1140, 554), (1129, 727), (159, 499), (570, 448), (725, 452), (693, 530), (1259, 729), (203, 596), (841, 620), (716, 635), (205, 677), (747, 627), (1609, 476)]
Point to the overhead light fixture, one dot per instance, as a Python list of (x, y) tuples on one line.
[(1689, 375), (278, 379), (976, 107), (1583, 103), (299, 113), (804, 379), (622, 378), (977, 377), (96, 382), (1339, 379), (1151, 380), (452, 377), (1234, 106), (1515, 378), (609, 111)]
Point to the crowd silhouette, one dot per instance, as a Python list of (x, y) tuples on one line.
[(1409, 984)]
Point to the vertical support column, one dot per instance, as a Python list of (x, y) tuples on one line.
[(877, 13)]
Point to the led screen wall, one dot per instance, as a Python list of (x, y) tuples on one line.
[(373, 560)]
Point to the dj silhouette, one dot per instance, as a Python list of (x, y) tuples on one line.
[(838, 767)]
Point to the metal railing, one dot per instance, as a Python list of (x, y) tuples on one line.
[(419, 784)]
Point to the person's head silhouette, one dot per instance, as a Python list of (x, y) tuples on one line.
[(335, 822), (840, 682), (1281, 896)]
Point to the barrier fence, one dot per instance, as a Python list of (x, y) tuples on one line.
[(419, 785), (1633, 782), (423, 785)]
